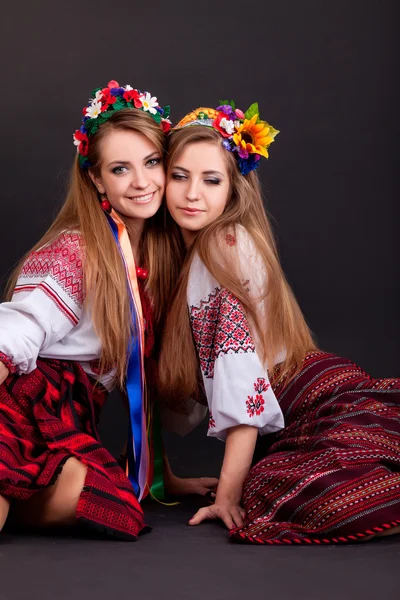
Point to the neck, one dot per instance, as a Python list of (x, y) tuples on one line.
[(135, 229), (188, 237)]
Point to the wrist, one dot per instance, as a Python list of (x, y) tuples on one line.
[(8, 363), (228, 493)]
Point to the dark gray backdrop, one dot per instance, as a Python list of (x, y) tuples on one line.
[(324, 73)]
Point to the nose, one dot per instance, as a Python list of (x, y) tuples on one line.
[(140, 180), (193, 192)]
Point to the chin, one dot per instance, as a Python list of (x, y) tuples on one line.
[(145, 212)]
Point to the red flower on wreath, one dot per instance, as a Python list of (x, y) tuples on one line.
[(107, 98), (81, 140), (135, 97), (165, 125), (217, 124)]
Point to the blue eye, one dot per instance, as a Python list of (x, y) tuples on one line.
[(119, 170), (153, 162)]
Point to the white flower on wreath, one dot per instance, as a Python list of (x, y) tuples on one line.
[(76, 142), (97, 96), (93, 110), (149, 103), (228, 125), (128, 88)]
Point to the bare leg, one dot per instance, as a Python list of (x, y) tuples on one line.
[(4, 508), (56, 505)]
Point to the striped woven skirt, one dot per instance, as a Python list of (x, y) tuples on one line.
[(51, 415), (333, 474)]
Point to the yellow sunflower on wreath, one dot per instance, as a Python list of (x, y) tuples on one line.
[(254, 137)]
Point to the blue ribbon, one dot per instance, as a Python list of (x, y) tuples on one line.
[(133, 388)]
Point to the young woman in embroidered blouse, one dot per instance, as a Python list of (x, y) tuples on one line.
[(75, 306), (261, 371)]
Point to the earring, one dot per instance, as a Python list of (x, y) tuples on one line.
[(105, 204)]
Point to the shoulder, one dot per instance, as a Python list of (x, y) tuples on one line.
[(59, 262), (65, 243), (237, 245), (65, 248)]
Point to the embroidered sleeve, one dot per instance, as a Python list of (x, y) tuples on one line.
[(235, 381), (46, 304)]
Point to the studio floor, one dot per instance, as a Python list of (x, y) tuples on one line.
[(178, 561)]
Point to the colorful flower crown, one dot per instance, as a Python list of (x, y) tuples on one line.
[(244, 133), (105, 102)]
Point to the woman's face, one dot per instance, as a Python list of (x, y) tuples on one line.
[(198, 187), (131, 174)]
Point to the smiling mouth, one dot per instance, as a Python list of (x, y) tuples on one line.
[(142, 199)]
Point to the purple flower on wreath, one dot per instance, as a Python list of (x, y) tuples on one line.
[(117, 91), (243, 153), (227, 145), (248, 164), (160, 110), (228, 110)]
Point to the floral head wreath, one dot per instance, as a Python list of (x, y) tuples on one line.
[(244, 133), (107, 101)]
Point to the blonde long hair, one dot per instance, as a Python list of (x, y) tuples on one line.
[(178, 364), (104, 272)]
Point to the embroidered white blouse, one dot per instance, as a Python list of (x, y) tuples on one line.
[(236, 382), (47, 316)]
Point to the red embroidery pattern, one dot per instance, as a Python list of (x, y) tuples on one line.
[(230, 239), (62, 261), (211, 422), (255, 405), (219, 327)]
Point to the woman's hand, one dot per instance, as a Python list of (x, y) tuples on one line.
[(3, 372), (239, 450), (231, 514), (180, 486)]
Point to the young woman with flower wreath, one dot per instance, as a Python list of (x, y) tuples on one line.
[(330, 467), (80, 317)]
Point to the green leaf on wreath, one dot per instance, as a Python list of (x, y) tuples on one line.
[(119, 103), (230, 103), (251, 111)]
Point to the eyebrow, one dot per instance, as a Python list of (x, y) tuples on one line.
[(126, 162), (211, 172)]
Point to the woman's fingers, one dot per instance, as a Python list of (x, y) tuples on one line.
[(210, 496), (232, 515), (200, 516), (227, 519), (237, 517), (209, 482)]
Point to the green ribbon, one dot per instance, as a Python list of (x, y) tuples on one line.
[(157, 487)]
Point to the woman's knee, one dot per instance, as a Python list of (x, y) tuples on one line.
[(4, 508), (60, 508)]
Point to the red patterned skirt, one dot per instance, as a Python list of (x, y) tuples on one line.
[(48, 416), (333, 473)]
